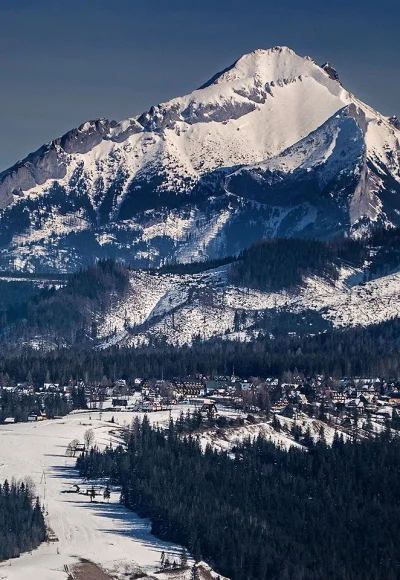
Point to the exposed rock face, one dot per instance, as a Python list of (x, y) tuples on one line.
[(50, 161), (46, 163), (395, 122), (273, 145), (333, 74)]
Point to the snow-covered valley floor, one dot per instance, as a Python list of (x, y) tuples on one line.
[(107, 534)]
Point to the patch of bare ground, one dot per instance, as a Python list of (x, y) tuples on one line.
[(88, 571), (205, 574)]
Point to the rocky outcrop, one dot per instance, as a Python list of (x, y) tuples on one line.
[(333, 74)]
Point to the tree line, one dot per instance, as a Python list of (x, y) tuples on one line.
[(371, 351)]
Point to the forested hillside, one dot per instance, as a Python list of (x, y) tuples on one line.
[(329, 513), (64, 314), (14, 295), (387, 254), (22, 525), (273, 265), (278, 264), (282, 264)]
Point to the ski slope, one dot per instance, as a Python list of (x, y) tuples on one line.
[(107, 534)]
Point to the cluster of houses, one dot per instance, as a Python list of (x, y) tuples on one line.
[(28, 388), (35, 399), (344, 399), (316, 396)]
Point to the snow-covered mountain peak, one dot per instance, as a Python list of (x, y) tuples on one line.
[(180, 180), (276, 66)]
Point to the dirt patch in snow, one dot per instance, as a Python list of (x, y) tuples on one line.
[(88, 571)]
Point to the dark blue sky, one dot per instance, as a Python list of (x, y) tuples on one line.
[(64, 62)]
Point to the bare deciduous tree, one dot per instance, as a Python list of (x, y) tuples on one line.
[(88, 438), (69, 450)]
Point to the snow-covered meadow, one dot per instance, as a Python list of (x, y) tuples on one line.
[(105, 533)]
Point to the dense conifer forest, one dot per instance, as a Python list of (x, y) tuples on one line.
[(371, 351), (22, 525), (277, 264), (387, 256), (282, 264), (14, 296), (260, 512), (67, 312)]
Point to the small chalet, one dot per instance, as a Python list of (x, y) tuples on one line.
[(51, 386), (120, 383), (338, 398), (209, 410), (80, 448)]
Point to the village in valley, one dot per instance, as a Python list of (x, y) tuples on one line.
[(298, 408), (57, 424)]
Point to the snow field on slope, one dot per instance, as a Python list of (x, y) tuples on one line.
[(107, 534), (144, 294), (180, 319)]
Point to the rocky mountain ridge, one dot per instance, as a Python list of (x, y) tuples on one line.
[(272, 146)]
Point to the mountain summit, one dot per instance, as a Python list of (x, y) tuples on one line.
[(272, 146)]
